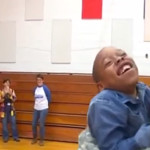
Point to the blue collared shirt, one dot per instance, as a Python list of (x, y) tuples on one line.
[(114, 118)]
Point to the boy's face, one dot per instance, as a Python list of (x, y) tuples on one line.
[(117, 70), (39, 81), (6, 84)]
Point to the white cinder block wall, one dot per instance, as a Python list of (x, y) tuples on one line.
[(33, 38)]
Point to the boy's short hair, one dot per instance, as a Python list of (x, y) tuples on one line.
[(96, 71), (5, 80), (40, 76), (95, 74)]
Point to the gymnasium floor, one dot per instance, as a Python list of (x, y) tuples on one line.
[(25, 144)]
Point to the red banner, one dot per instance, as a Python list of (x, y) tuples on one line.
[(91, 9)]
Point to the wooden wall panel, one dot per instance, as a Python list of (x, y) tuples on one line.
[(71, 94), (57, 86), (55, 133), (58, 97), (55, 107), (146, 80), (17, 76), (54, 118)]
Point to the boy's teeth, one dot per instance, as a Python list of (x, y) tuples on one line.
[(125, 67)]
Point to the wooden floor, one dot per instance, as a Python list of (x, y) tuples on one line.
[(25, 144)]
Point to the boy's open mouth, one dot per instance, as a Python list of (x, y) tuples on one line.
[(124, 68)]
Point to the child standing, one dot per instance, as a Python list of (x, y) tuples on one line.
[(7, 99), (42, 98)]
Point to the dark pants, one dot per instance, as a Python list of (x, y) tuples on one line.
[(12, 119), (39, 115)]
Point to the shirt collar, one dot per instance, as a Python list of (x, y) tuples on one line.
[(140, 94)]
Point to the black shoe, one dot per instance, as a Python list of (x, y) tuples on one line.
[(34, 141), (5, 140), (17, 140), (41, 143)]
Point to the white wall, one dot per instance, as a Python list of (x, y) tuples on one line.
[(33, 38)]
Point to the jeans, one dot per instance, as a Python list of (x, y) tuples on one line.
[(5, 122), (39, 115)]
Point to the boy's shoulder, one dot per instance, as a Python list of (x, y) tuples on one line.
[(110, 94), (105, 95)]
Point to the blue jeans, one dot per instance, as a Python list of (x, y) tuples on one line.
[(12, 119), (39, 115)]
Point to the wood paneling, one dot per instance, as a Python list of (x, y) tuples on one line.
[(55, 107), (56, 133), (54, 118), (71, 94), (57, 86), (64, 97), (81, 78), (146, 80)]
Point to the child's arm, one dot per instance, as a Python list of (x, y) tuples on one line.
[(1, 97), (13, 95), (47, 92), (108, 124)]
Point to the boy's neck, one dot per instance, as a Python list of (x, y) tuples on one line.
[(132, 92)]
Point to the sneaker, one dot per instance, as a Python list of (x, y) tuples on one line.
[(17, 140), (34, 141), (41, 143), (5, 140)]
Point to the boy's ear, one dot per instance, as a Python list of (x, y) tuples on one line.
[(100, 86)]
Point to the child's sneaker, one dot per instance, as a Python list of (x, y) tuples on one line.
[(34, 141), (41, 143)]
